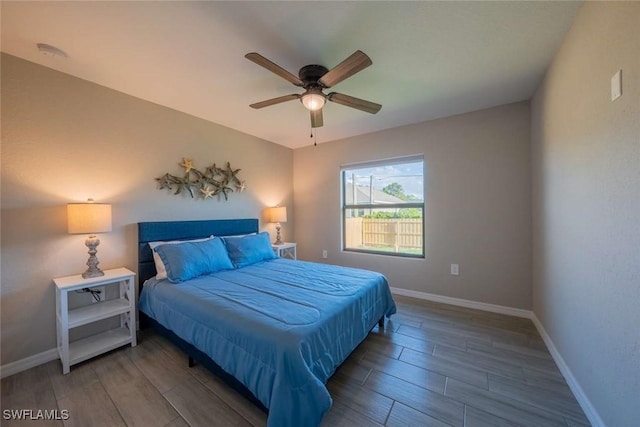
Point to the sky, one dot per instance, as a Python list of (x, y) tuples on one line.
[(409, 175)]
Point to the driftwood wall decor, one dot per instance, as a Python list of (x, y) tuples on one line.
[(212, 182)]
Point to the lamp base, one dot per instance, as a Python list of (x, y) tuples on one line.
[(93, 271), (278, 241)]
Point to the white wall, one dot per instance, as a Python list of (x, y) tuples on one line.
[(586, 204), (65, 140), (477, 209)]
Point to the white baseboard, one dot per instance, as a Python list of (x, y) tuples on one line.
[(28, 362), (493, 308), (573, 383)]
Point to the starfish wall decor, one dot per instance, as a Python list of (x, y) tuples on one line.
[(212, 182)]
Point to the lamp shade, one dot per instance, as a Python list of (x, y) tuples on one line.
[(278, 214), (88, 218), (312, 101)]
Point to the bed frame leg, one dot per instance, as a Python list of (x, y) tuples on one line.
[(192, 362), (381, 322)]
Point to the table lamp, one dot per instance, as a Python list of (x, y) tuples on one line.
[(89, 218), (278, 215)]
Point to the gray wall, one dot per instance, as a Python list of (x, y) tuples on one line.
[(65, 140), (477, 210), (586, 204)]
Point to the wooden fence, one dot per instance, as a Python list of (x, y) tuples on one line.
[(398, 234)]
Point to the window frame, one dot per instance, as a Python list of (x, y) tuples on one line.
[(344, 207)]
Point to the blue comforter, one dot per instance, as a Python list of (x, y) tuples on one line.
[(281, 327)]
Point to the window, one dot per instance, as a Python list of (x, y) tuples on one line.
[(383, 207)]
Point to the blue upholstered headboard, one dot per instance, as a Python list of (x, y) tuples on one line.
[(183, 230)]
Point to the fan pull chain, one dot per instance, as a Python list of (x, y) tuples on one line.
[(315, 140)]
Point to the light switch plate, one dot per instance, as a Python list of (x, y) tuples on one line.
[(616, 85), (455, 269)]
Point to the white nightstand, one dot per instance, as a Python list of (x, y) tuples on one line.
[(124, 307), (285, 250)]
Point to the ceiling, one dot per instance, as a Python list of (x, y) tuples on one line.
[(430, 59)]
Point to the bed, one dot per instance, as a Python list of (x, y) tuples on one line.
[(275, 329)]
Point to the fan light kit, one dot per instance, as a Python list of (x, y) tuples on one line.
[(315, 78), (312, 100)]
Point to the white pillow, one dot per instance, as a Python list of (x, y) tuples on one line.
[(161, 271)]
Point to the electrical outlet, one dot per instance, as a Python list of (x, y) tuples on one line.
[(455, 269), (325, 255)]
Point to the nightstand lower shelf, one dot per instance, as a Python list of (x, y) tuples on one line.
[(94, 312), (94, 345)]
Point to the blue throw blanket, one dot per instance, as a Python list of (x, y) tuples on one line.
[(281, 327)]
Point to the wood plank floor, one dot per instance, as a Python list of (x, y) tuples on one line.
[(432, 365)]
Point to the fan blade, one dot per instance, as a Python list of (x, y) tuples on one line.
[(350, 101), (274, 101), (316, 118), (358, 61), (274, 68)]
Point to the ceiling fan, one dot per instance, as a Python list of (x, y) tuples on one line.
[(315, 78)]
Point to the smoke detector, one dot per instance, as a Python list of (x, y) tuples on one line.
[(48, 50)]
